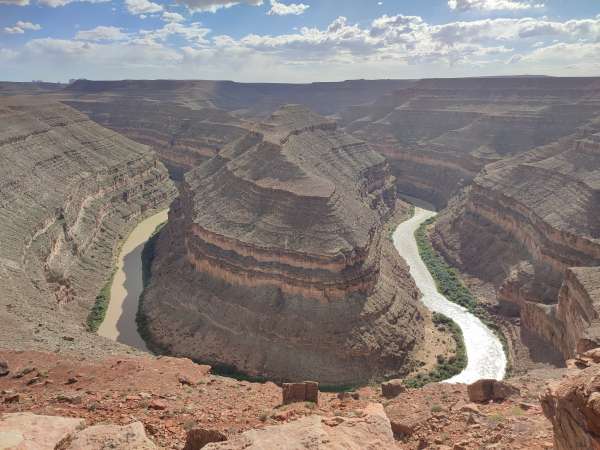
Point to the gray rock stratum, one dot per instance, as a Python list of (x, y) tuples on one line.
[(70, 190), (273, 262)]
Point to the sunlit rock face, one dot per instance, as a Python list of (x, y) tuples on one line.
[(274, 262), (530, 224), (70, 190), (439, 134)]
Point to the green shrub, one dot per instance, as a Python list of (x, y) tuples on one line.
[(446, 368), (449, 284), (98, 312)]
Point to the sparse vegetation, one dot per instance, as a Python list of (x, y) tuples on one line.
[(449, 284), (148, 254), (98, 312), (446, 367)]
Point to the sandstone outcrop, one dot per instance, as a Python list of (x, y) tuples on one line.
[(530, 226), (300, 392), (70, 190), (372, 431), (274, 260), (573, 406), (490, 390), (392, 388), (101, 437), (439, 134), (27, 431)]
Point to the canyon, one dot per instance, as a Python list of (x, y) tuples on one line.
[(70, 191), (278, 258)]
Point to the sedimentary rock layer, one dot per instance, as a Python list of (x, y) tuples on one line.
[(69, 192), (438, 134), (530, 224), (188, 122), (183, 137), (274, 262)]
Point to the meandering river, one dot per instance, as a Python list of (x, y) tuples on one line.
[(486, 358), (127, 286)]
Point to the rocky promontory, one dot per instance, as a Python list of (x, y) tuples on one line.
[(70, 191), (274, 262)]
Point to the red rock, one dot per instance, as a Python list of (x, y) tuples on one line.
[(197, 438), (3, 368), (30, 431), (486, 390), (392, 388), (158, 405), (300, 392)]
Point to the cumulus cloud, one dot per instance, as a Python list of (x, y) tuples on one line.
[(14, 2), (58, 3), (172, 17), (390, 46), (281, 9), (215, 5), (101, 33), (20, 27), (492, 5), (139, 7)]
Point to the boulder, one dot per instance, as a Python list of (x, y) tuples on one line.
[(100, 437), (26, 431), (573, 406), (486, 390), (300, 392), (198, 438), (3, 368), (372, 431), (392, 388)]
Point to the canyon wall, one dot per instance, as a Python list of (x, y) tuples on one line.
[(274, 262), (439, 134), (189, 121), (531, 225), (70, 190)]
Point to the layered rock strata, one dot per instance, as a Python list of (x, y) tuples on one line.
[(70, 190), (439, 134), (274, 263), (183, 137), (530, 225)]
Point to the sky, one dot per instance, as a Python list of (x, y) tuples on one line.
[(296, 41)]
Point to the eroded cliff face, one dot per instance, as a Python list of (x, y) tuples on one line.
[(184, 137), (439, 134), (274, 263), (189, 121), (70, 190), (530, 225)]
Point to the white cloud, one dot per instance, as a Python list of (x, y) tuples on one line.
[(391, 46), (138, 7), (58, 3), (493, 5), (101, 33), (14, 2), (215, 5), (20, 27), (281, 9), (172, 17)]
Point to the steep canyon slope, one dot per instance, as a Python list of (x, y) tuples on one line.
[(70, 190), (188, 121), (531, 225), (274, 262), (439, 134)]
